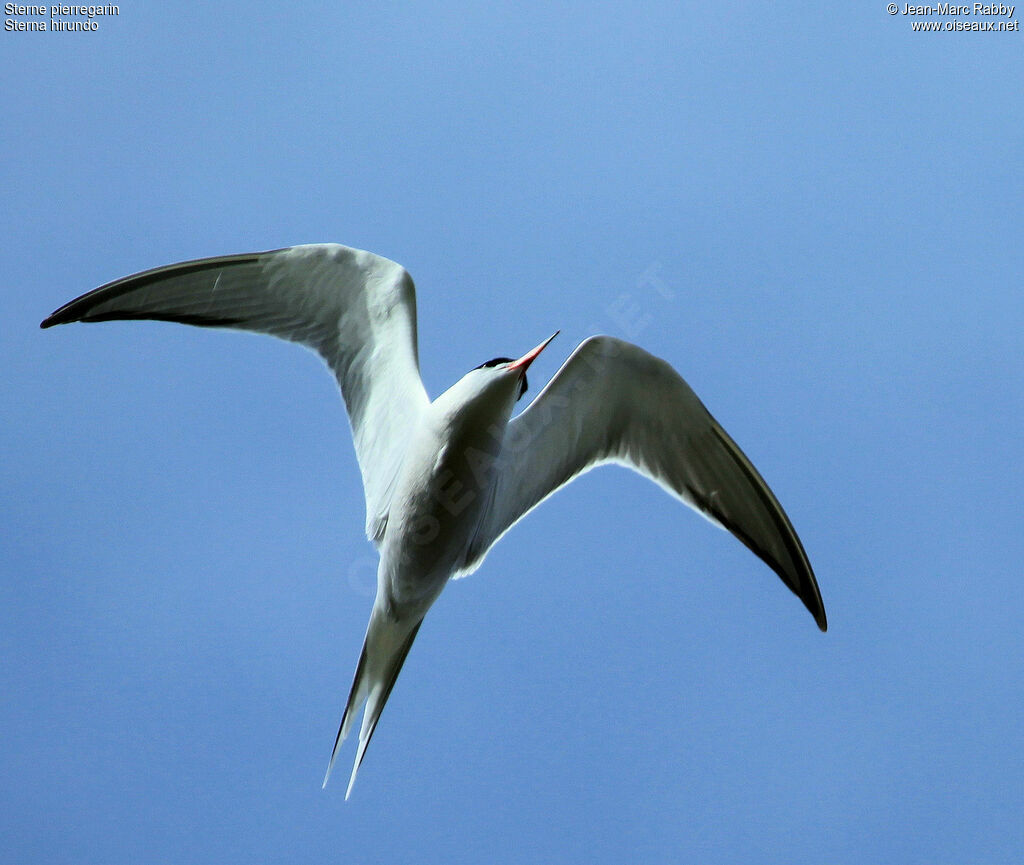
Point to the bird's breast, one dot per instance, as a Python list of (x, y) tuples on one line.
[(441, 493)]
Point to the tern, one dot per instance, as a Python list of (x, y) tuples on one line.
[(445, 479)]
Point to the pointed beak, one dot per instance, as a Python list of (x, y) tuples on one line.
[(531, 355)]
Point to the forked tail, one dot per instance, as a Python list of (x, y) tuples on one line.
[(385, 648)]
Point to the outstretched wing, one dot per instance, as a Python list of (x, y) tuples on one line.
[(356, 309), (613, 402)]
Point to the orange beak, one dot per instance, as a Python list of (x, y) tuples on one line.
[(532, 354)]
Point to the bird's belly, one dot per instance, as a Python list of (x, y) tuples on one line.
[(433, 519)]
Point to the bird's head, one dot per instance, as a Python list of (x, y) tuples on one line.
[(501, 380), (512, 369)]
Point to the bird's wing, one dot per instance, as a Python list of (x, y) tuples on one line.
[(613, 402), (356, 309)]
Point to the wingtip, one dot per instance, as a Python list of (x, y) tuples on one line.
[(817, 609), (815, 606), (60, 316), (63, 315), (812, 601)]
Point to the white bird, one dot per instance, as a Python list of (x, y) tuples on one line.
[(444, 480)]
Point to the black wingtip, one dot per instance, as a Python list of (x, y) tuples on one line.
[(797, 574), (81, 308), (811, 596), (63, 315)]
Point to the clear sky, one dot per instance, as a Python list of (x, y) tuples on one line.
[(813, 212)]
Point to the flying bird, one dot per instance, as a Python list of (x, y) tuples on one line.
[(445, 479)]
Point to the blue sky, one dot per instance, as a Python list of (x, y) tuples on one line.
[(813, 213)]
